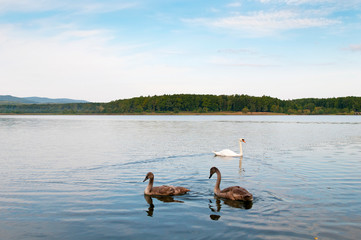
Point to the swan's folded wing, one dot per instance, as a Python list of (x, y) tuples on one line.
[(181, 190), (163, 190), (229, 189), (226, 153), (240, 191), (235, 189), (242, 194), (237, 193)]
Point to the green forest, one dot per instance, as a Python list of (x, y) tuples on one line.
[(196, 103)]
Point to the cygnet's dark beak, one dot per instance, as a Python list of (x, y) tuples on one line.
[(210, 175), (145, 179)]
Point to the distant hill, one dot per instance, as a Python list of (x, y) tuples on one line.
[(8, 99), (53, 100)]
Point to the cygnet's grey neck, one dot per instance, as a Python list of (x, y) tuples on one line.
[(218, 183), (148, 189)]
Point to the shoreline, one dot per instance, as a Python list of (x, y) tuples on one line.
[(178, 114)]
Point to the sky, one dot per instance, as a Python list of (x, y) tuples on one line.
[(104, 50)]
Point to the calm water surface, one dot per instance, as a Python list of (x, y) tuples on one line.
[(80, 177)]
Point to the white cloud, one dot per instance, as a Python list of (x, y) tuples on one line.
[(60, 56), (297, 2), (240, 62), (264, 23), (354, 48), (234, 4), (82, 65), (336, 5), (237, 51), (81, 6)]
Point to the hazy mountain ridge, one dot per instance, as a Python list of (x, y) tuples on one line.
[(8, 99)]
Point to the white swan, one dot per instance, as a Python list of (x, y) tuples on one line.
[(230, 153)]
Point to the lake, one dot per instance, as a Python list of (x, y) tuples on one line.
[(81, 177)]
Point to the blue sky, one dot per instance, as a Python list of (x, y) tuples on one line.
[(107, 50)]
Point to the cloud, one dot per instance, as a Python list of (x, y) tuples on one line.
[(297, 2), (81, 64), (354, 48), (81, 6), (336, 5), (258, 65), (232, 62), (237, 51), (265, 23), (234, 4)]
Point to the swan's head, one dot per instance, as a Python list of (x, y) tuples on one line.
[(248, 197), (242, 140), (212, 171), (148, 176)]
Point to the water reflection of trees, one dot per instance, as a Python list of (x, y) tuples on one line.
[(149, 200), (232, 203)]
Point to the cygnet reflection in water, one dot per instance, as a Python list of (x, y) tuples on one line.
[(232, 203), (149, 200)]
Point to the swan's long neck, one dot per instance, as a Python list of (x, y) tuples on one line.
[(240, 149), (150, 185), (218, 183)]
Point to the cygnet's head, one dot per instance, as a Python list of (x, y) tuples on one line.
[(148, 176), (212, 171), (248, 197)]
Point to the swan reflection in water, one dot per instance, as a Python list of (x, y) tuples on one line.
[(240, 162), (232, 203), (240, 166), (149, 200)]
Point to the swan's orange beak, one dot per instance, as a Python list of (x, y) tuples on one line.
[(243, 141)]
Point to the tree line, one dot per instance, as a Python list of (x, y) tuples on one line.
[(234, 103), (196, 103)]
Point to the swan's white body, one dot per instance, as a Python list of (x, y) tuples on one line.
[(230, 153), (227, 153)]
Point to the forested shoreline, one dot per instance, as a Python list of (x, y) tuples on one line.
[(196, 104)]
